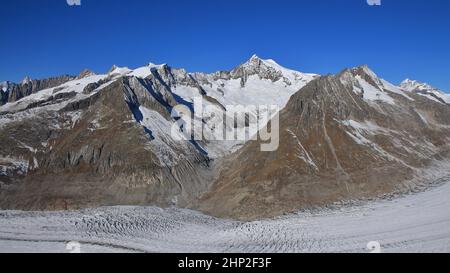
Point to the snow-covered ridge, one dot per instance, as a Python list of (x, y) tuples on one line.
[(255, 82), (260, 81), (373, 89), (255, 66), (425, 90), (270, 70), (75, 86)]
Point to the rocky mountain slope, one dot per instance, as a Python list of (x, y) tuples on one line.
[(106, 139), (94, 140), (342, 137)]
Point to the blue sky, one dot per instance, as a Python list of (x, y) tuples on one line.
[(398, 39)]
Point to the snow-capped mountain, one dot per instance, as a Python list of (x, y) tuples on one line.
[(107, 139), (26, 80), (425, 90), (114, 126), (342, 137), (255, 82)]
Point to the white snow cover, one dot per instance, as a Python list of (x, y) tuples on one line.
[(160, 130), (76, 86), (372, 93), (377, 90), (417, 222), (260, 91), (119, 70), (142, 72), (145, 71), (256, 91), (394, 89), (425, 89)]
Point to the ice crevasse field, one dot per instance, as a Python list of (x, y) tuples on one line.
[(416, 222)]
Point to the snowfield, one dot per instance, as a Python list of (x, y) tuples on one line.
[(418, 222)]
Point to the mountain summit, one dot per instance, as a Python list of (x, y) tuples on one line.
[(425, 90), (270, 70)]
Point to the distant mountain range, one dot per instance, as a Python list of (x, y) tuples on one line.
[(91, 140), (426, 90)]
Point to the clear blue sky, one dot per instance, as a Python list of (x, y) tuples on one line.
[(398, 39)]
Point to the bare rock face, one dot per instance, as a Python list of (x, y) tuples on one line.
[(15, 92), (342, 137), (96, 151)]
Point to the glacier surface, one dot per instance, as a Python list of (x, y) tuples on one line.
[(418, 222)]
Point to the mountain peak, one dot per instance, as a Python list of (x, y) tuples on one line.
[(254, 60), (407, 84), (26, 80), (255, 57), (118, 70), (152, 65), (270, 70), (85, 73), (364, 70), (425, 89), (4, 86), (414, 85), (407, 80), (114, 67)]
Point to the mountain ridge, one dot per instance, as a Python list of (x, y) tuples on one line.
[(105, 139), (426, 90), (337, 143)]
